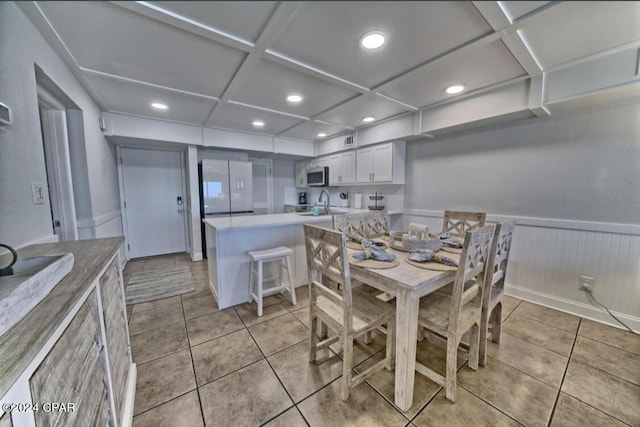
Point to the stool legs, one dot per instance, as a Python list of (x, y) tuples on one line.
[(292, 290), (259, 290)]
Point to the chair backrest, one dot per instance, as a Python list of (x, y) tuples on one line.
[(327, 257), (458, 222), (362, 225), (498, 259), (473, 263)]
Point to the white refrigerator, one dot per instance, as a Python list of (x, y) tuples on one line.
[(226, 188)]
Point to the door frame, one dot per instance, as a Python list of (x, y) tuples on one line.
[(53, 123), (269, 164), (183, 182)]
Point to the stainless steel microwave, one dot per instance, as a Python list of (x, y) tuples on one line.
[(318, 177)]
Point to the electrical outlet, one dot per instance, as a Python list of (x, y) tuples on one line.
[(586, 283)]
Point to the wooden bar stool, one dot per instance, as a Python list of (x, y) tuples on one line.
[(281, 254)]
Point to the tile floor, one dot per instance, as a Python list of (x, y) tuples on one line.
[(198, 365)]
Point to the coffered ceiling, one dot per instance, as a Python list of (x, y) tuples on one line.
[(228, 64)]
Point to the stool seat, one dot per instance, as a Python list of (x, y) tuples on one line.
[(267, 254), (282, 255)]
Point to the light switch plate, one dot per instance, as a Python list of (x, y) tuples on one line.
[(38, 192)]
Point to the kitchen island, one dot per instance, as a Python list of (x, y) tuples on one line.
[(230, 238)]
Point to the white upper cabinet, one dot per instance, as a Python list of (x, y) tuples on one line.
[(301, 173), (320, 162), (382, 163), (342, 168)]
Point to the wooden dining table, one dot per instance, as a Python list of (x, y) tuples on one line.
[(407, 283)]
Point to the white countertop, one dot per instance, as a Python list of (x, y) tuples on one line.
[(260, 221)]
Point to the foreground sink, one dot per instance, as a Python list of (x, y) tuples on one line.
[(31, 281)]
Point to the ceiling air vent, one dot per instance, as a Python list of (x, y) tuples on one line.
[(348, 141)]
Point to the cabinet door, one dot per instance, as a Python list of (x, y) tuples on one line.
[(335, 169), (364, 159), (74, 371), (382, 163), (301, 173), (348, 175), (117, 334)]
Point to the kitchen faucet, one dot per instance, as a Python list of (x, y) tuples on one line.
[(326, 205)]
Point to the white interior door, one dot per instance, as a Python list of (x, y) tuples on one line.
[(154, 202), (262, 185)]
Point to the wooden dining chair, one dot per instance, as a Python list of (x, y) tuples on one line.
[(457, 223), (349, 312), (450, 316), (367, 225), (494, 288)]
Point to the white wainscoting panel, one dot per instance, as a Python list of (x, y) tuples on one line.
[(548, 256)]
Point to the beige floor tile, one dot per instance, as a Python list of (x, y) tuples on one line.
[(249, 312), (508, 305), (210, 326), (518, 395), (182, 259), (159, 342), (155, 318), (301, 377), (364, 408), (552, 317), (302, 315), (221, 356), (196, 307), (290, 418), (129, 311), (384, 383), (612, 395), (302, 299), (248, 397), (163, 379), (433, 353), (362, 351), (133, 266), (143, 306), (535, 332), (467, 411), (279, 333), (620, 363), (181, 411), (538, 362), (615, 337), (159, 263), (571, 412)]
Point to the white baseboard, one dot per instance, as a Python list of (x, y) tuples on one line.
[(590, 312), (196, 257)]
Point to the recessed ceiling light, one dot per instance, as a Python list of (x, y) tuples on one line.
[(294, 98), (322, 135), (455, 89), (258, 123), (373, 40), (159, 106), (368, 119)]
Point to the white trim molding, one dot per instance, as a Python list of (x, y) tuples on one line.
[(99, 220)]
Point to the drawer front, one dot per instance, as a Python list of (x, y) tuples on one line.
[(117, 334), (74, 372)]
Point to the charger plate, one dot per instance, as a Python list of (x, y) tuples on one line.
[(372, 263), (451, 250), (436, 266)]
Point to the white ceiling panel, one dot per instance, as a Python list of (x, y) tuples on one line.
[(352, 112), (244, 19), (516, 9), (310, 130), (271, 83), (113, 40), (475, 68), (572, 30), (230, 116), (326, 35), (135, 99)]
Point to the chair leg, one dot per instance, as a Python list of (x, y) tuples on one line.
[(259, 285), (391, 344), (496, 333), (347, 361), (473, 347), (452, 366), (484, 331), (313, 337), (252, 288), (292, 289)]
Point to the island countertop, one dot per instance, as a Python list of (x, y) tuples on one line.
[(20, 344), (274, 220)]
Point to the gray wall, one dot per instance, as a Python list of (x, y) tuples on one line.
[(584, 166), (21, 150)]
